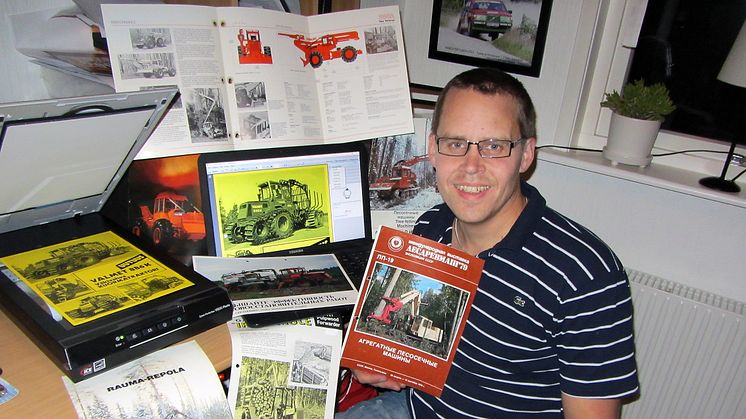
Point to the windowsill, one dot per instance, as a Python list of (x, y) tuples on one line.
[(654, 175)]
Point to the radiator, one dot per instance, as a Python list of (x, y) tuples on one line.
[(691, 352)]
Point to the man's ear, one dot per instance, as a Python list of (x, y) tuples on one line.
[(432, 148), (528, 152)]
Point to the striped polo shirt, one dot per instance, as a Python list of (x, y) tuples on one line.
[(552, 315)]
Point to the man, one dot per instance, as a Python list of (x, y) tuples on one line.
[(550, 331)]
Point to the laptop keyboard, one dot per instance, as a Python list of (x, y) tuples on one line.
[(353, 261)]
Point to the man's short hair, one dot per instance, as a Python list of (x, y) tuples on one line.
[(491, 81)]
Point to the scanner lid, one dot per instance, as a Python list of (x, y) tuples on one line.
[(63, 157)]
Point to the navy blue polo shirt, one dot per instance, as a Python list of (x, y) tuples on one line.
[(552, 315)]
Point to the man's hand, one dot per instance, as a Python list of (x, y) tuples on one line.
[(376, 380)]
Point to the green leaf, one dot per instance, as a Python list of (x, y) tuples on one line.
[(640, 102)]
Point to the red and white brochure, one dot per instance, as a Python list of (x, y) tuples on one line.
[(413, 305)]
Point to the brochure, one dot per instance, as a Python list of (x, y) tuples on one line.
[(178, 381), (253, 78), (263, 285), (402, 180), (93, 276), (413, 305), (287, 370)]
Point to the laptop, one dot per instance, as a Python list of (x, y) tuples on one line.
[(289, 201)]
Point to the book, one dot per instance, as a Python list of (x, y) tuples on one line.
[(253, 78), (284, 370), (414, 301), (264, 285), (178, 381)]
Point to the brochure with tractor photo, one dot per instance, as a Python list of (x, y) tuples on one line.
[(402, 180), (253, 78), (265, 285), (93, 276), (286, 370), (414, 301)]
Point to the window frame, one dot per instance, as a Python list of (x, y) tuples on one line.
[(615, 36)]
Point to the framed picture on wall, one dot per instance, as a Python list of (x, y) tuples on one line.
[(507, 34)]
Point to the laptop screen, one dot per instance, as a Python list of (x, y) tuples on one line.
[(289, 200)]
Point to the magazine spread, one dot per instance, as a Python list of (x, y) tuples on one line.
[(275, 284), (178, 381), (252, 78), (63, 40), (286, 370), (413, 305), (93, 276)]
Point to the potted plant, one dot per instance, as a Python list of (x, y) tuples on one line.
[(637, 114)]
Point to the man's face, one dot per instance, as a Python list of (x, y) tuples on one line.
[(481, 190)]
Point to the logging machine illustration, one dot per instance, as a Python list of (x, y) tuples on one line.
[(274, 278), (412, 323), (281, 207), (72, 258), (401, 183), (96, 304), (250, 49), (158, 67), (265, 397), (326, 47), (172, 217)]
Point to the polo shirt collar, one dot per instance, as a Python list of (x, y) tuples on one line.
[(524, 225)]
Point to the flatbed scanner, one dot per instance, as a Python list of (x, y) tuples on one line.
[(90, 294)]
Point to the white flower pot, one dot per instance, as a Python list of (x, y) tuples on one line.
[(630, 140)]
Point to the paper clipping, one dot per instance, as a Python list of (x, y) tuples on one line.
[(175, 382), (287, 370), (402, 180), (413, 305), (274, 284)]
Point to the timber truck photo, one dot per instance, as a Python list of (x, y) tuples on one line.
[(263, 279), (281, 207), (72, 258), (151, 39), (171, 217), (95, 304), (400, 183)]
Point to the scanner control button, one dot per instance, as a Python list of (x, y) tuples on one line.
[(164, 325), (133, 336), (148, 331), (178, 320)]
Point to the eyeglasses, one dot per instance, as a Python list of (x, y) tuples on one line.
[(490, 149)]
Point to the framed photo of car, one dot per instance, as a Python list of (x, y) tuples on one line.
[(556, 91), (508, 34)]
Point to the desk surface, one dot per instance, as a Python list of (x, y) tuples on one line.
[(39, 381)]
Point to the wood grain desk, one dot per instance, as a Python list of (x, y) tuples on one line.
[(41, 393)]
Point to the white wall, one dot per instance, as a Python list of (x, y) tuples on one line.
[(676, 236)]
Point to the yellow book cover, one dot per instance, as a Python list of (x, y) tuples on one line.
[(94, 276)]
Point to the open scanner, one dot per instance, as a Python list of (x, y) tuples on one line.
[(60, 160)]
